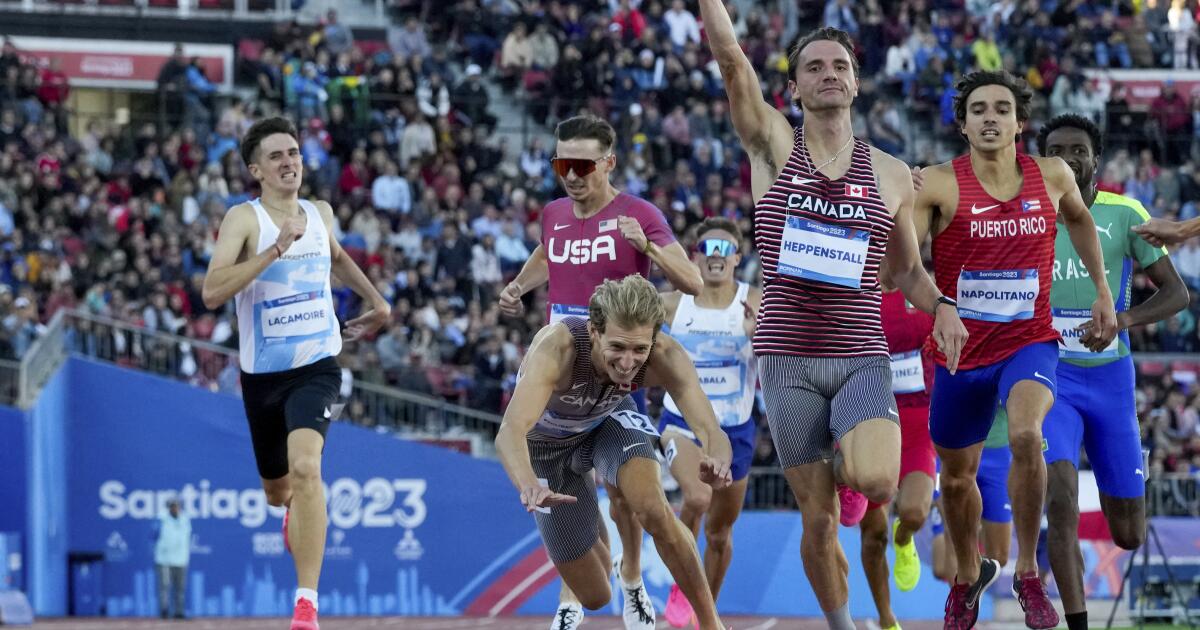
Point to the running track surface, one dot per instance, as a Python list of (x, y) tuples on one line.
[(597, 622)]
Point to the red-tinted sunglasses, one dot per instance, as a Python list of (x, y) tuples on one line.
[(582, 167)]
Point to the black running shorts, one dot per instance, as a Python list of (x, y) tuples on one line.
[(278, 403)]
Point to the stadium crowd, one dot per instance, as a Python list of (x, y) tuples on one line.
[(401, 138)]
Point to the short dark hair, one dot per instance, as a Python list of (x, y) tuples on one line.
[(259, 132), (587, 127), (827, 33), (719, 223), (975, 80), (1071, 121)]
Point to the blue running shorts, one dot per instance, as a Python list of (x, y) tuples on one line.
[(741, 438), (1096, 409), (964, 404)]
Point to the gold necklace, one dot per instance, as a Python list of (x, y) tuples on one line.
[(835, 155)]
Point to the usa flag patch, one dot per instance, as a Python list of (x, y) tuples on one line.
[(1031, 205), (856, 191), (609, 225)]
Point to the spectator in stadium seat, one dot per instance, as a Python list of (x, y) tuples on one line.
[(1182, 24), (471, 98), (337, 37), (390, 191), (417, 141), (682, 26), (197, 103), (433, 96), (1110, 42), (543, 46), (409, 41), (839, 14), (1171, 116), (629, 21), (516, 56)]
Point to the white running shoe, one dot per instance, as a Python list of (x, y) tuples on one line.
[(638, 610), (567, 617)]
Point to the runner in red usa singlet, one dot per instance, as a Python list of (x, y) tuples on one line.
[(993, 215), (830, 211)]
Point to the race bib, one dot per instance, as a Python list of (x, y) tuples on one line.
[(635, 421), (1066, 322), (908, 373), (719, 379), (295, 315), (997, 296), (825, 253), (559, 312)]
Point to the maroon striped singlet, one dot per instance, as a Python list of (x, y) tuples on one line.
[(820, 283), (997, 258)]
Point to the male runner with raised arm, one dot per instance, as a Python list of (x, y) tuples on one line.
[(275, 255), (571, 413), (1095, 407), (580, 249), (827, 208), (993, 213)]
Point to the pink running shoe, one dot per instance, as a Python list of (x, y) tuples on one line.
[(1031, 593), (679, 611), (305, 617), (854, 505), (286, 543)]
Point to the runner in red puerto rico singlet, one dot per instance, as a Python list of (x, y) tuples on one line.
[(583, 253), (818, 338), (998, 258)]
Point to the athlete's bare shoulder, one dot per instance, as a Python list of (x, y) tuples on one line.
[(324, 208), (671, 302), (1057, 174), (895, 179), (940, 184), (665, 358), (552, 348)]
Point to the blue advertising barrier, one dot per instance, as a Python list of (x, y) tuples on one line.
[(413, 529)]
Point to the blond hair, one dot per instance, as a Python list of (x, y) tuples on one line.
[(631, 302)]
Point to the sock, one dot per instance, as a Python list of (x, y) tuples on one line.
[(1077, 621), (632, 585), (309, 594), (840, 619)]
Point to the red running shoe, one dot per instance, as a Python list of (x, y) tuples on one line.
[(854, 505), (1031, 593), (305, 617), (962, 605)]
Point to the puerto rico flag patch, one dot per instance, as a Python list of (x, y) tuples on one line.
[(608, 226), (1031, 205), (856, 191)]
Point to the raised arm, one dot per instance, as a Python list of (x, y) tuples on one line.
[(763, 130), (537, 378), (226, 276)]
